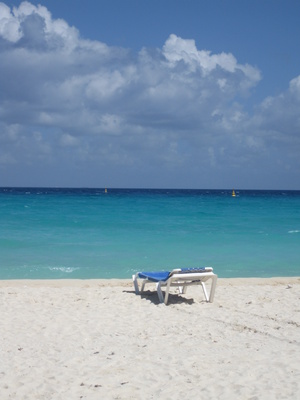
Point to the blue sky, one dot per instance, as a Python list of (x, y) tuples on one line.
[(159, 94)]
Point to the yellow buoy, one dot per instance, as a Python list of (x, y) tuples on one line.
[(233, 193), (105, 190)]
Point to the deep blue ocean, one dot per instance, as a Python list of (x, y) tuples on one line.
[(87, 233)]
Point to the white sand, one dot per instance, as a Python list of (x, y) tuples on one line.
[(98, 340)]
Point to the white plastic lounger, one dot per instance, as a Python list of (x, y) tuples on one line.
[(178, 277)]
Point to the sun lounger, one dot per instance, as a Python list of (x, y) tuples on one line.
[(182, 278)]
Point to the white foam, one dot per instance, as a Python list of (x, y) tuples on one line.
[(67, 270)]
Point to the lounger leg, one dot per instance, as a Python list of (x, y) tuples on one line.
[(204, 290), (159, 293), (213, 288), (143, 285), (167, 291), (135, 283), (182, 289)]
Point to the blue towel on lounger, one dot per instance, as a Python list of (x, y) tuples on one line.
[(155, 276), (162, 276)]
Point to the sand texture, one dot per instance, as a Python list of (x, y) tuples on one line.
[(96, 339)]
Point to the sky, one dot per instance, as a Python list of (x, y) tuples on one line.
[(150, 94)]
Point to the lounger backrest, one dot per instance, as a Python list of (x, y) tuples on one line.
[(190, 270)]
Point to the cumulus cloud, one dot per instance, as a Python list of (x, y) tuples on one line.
[(177, 49), (277, 120), (178, 107)]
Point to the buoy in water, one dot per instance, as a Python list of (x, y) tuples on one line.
[(105, 190), (233, 193)]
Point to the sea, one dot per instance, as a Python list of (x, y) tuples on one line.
[(63, 233)]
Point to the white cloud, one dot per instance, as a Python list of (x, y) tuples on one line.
[(9, 26), (68, 140), (295, 87), (177, 107), (282, 110), (177, 49)]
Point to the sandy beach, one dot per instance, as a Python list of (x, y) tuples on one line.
[(97, 339)]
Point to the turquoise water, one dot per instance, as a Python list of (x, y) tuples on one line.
[(87, 233)]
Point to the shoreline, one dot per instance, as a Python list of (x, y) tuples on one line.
[(65, 282), (91, 339)]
